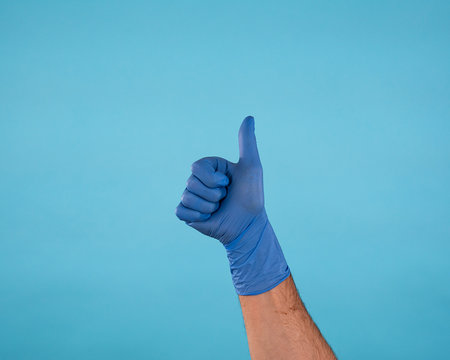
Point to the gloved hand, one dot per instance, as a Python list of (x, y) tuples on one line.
[(225, 200)]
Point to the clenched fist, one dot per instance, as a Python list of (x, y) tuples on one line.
[(223, 198)]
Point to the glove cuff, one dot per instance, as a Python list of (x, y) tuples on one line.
[(257, 263)]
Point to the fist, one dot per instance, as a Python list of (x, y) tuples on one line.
[(222, 198)]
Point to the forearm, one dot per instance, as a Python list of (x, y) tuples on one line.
[(277, 323), (279, 327)]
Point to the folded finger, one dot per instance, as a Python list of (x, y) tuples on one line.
[(189, 215), (197, 203), (195, 186), (206, 171)]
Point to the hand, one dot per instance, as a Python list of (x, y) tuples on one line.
[(222, 198), (225, 200)]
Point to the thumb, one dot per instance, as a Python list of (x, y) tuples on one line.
[(248, 151)]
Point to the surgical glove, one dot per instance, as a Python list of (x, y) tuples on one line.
[(225, 200)]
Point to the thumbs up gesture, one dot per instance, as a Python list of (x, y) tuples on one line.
[(222, 198), (225, 200)]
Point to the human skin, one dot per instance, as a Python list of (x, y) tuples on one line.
[(279, 327), (225, 200)]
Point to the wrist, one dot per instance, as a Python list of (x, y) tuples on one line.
[(257, 263)]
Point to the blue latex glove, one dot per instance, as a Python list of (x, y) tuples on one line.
[(225, 200)]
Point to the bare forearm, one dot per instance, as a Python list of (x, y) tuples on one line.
[(279, 327)]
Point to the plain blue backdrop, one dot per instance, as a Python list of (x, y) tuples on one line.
[(103, 107)]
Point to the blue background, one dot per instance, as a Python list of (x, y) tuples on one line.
[(104, 106)]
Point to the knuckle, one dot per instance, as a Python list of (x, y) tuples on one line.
[(197, 216), (185, 198), (189, 184), (197, 164), (216, 194), (213, 207), (189, 200), (209, 208)]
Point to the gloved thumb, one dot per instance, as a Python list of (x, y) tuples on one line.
[(248, 150)]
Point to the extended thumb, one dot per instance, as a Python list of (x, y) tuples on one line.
[(248, 151)]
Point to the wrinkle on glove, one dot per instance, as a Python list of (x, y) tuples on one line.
[(256, 261)]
